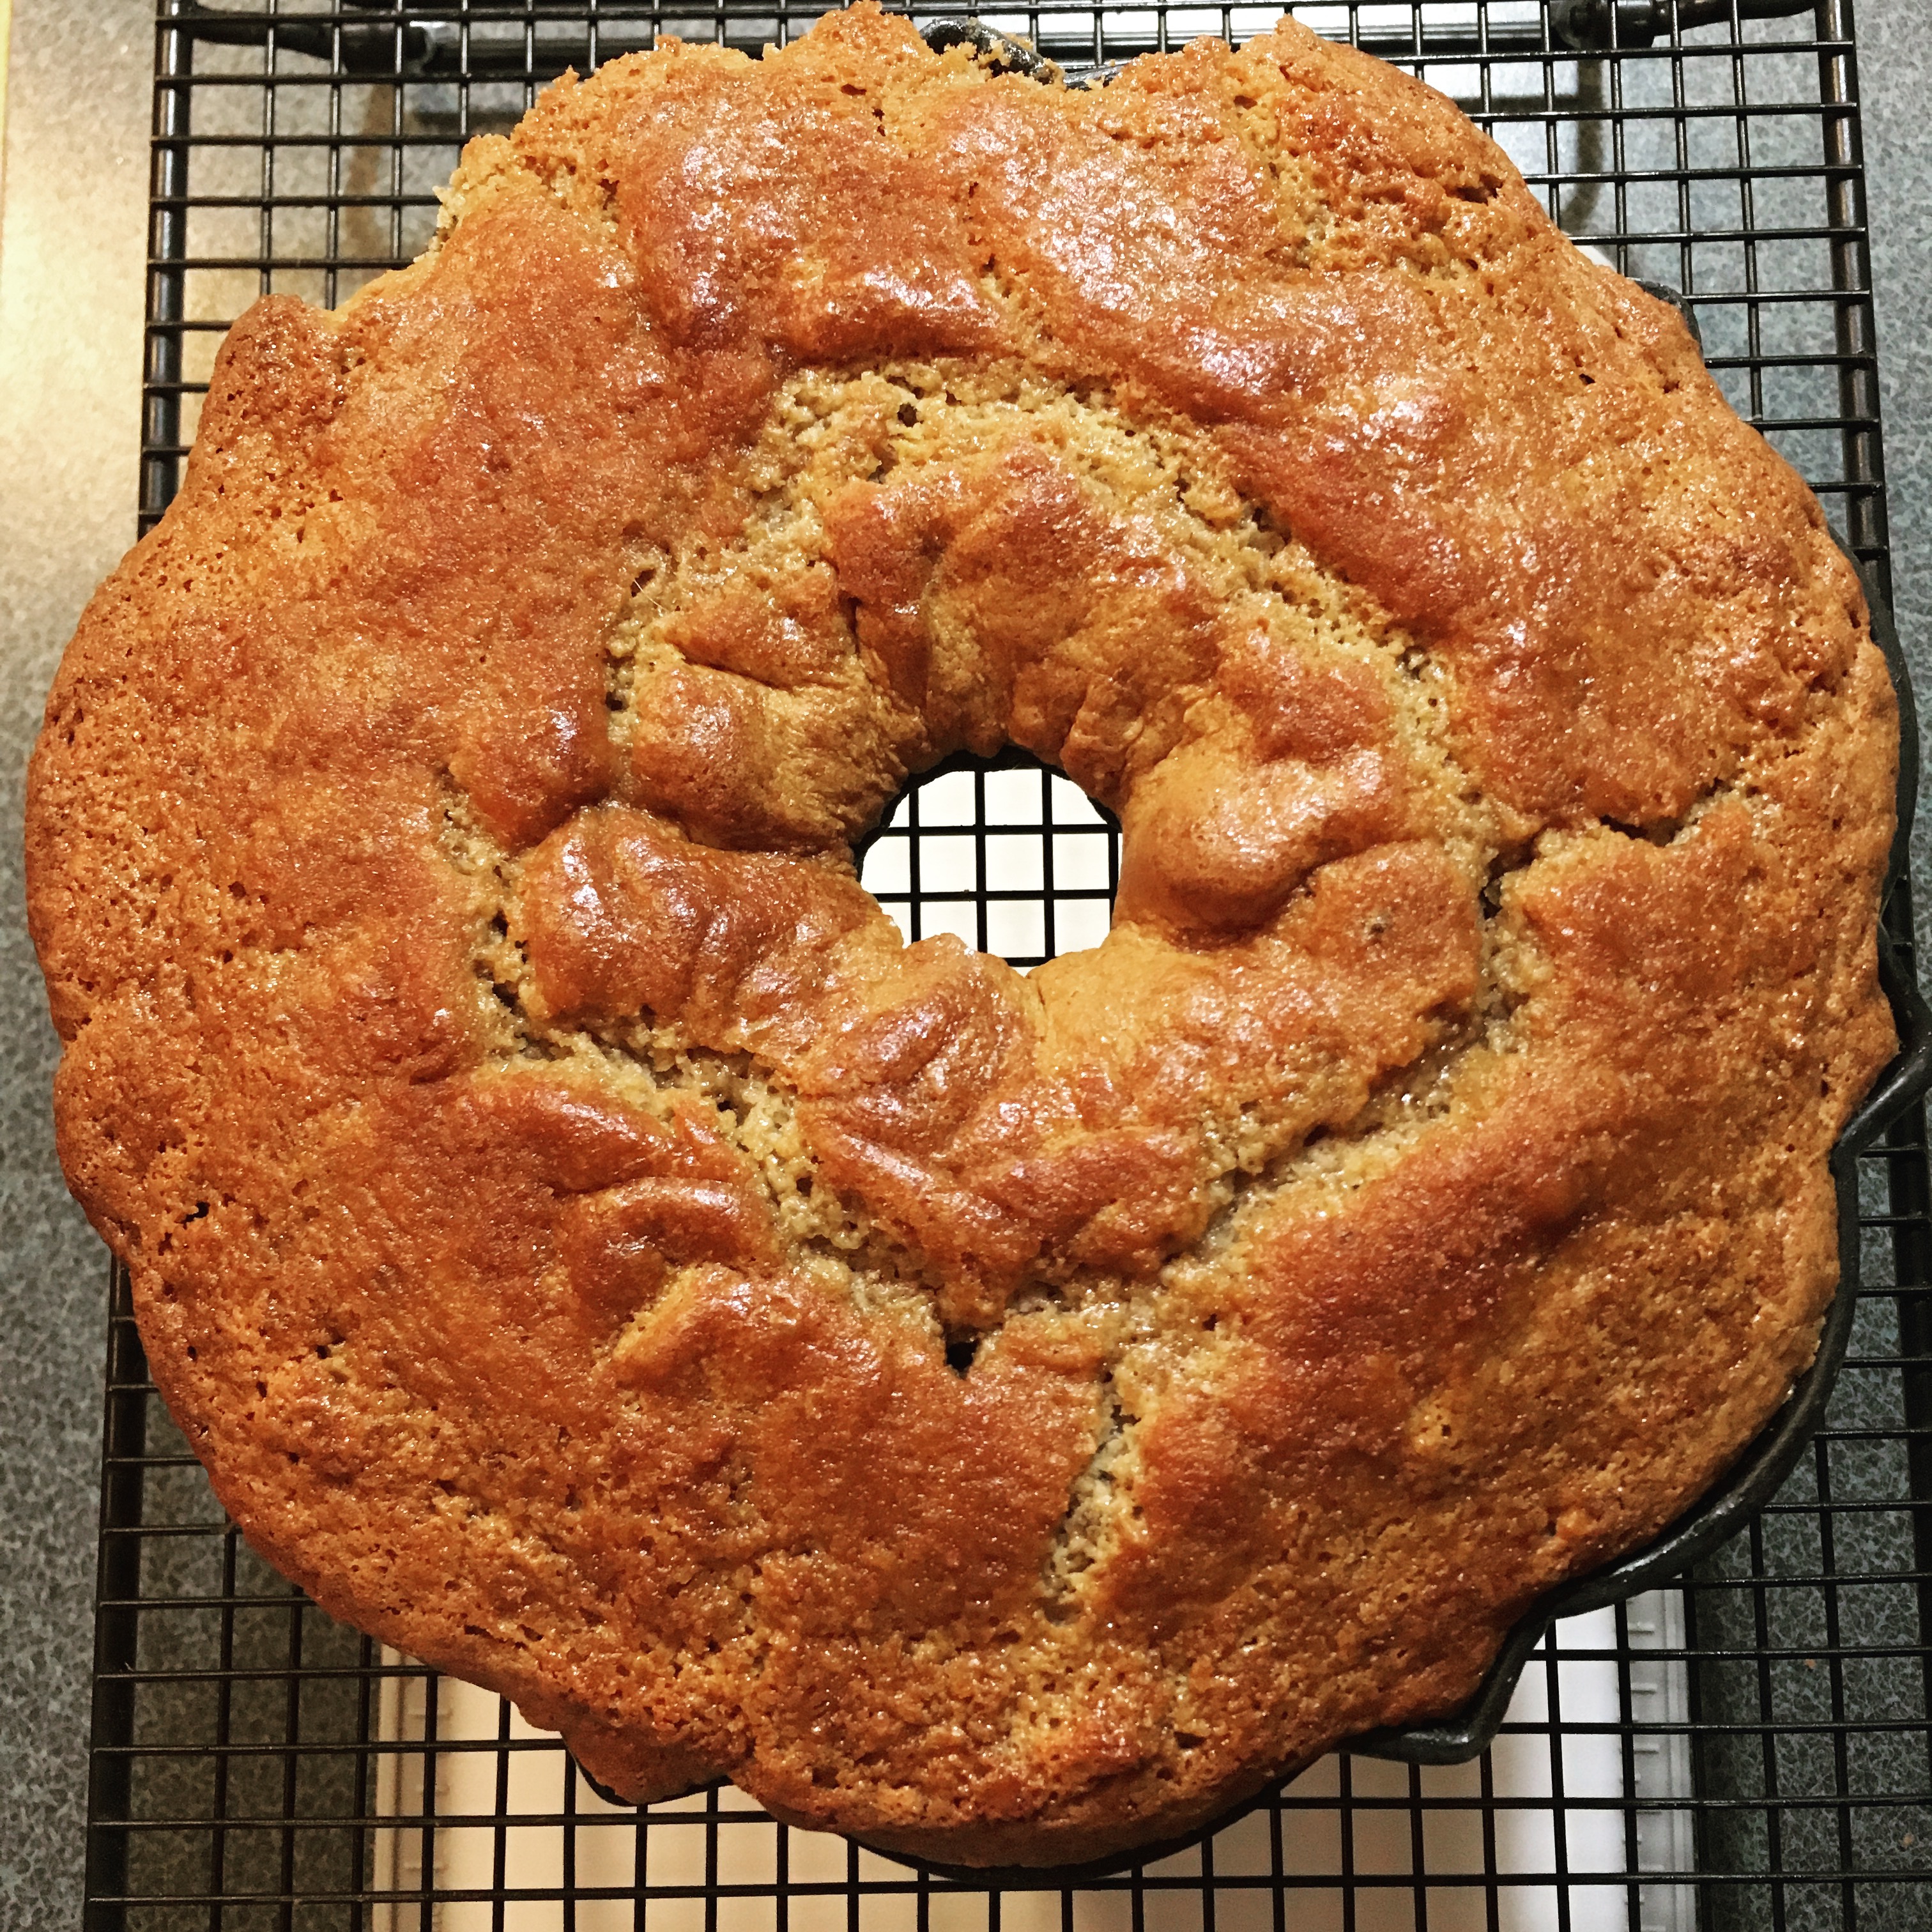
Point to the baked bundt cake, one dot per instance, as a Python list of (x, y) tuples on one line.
[(551, 1187)]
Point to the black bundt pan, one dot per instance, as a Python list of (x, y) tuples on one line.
[(1752, 1479)]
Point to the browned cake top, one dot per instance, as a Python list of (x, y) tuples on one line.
[(551, 1185)]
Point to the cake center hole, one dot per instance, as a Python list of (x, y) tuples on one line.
[(1005, 852)]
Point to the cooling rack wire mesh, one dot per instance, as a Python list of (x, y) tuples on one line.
[(1746, 1748)]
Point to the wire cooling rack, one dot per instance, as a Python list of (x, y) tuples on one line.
[(1746, 1748)]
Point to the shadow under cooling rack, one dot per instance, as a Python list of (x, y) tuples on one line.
[(1745, 1747)]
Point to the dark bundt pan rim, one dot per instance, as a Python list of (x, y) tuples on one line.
[(1751, 1480)]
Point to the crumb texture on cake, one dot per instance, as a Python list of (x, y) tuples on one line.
[(551, 1185)]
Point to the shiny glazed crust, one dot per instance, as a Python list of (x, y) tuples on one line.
[(550, 1185)]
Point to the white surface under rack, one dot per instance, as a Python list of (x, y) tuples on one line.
[(1565, 1722)]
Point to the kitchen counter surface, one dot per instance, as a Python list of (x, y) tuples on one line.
[(71, 245)]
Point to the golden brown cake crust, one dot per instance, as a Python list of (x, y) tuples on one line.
[(549, 1185)]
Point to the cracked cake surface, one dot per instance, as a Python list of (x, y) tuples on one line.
[(551, 1186)]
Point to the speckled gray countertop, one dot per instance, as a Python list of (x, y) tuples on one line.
[(71, 244)]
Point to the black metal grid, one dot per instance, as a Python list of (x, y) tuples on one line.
[(1004, 852), (1748, 1749)]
